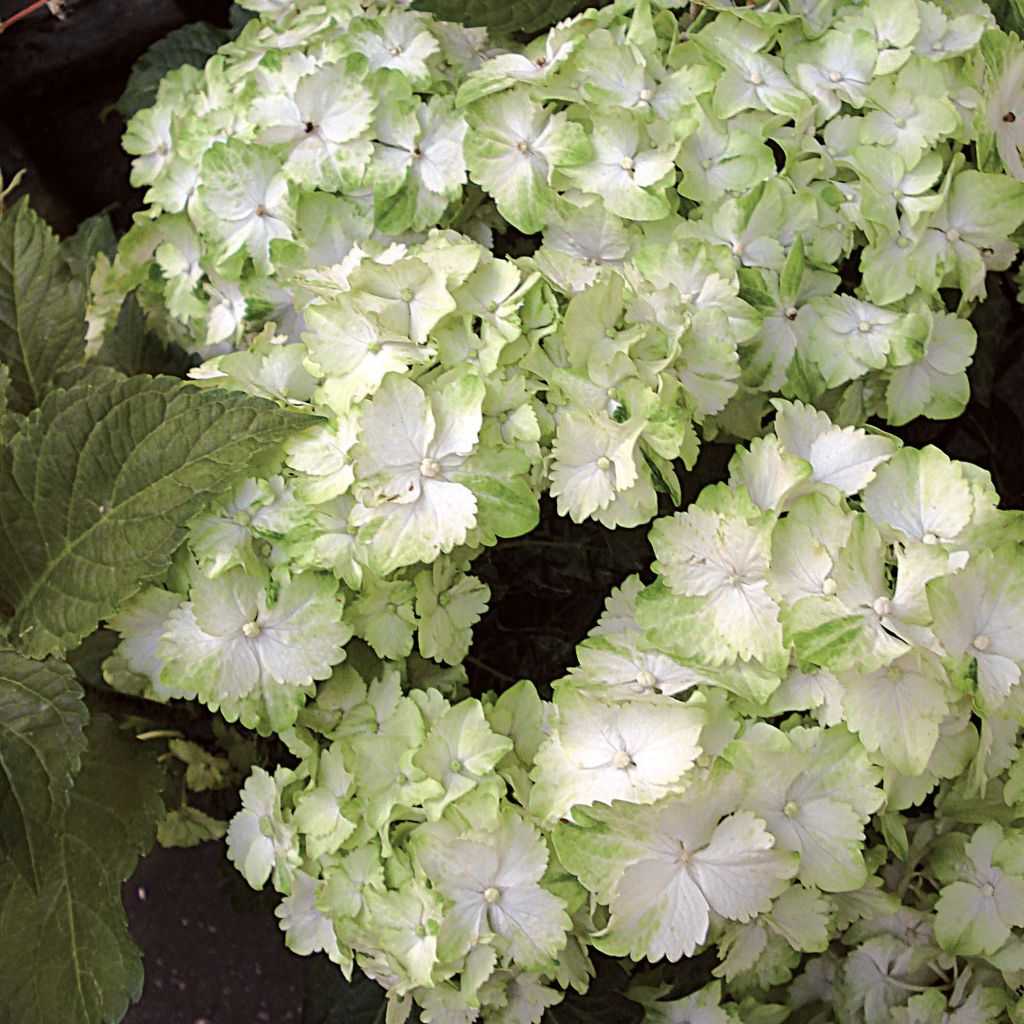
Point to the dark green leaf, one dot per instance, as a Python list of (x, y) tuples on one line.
[(42, 717), (1009, 14), (191, 44), (96, 488), (330, 999), (131, 348), (503, 16), (92, 372), (95, 235), (42, 307), (10, 422), (66, 956)]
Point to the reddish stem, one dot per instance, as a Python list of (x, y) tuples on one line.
[(22, 14)]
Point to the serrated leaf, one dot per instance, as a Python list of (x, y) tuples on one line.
[(96, 488), (1009, 14), (503, 16), (94, 235), (66, 954), (189, 826), (10, 422), (42, 718), (132, 348), (42, 307), (191, 44)]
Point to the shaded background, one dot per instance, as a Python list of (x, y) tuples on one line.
[(213, 952), (56, 78)]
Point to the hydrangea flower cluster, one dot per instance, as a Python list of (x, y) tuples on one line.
[(820, 152), (797, 747), (844, 614), (807, 174), (318, 126)]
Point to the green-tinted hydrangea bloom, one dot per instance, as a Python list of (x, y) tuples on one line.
[(796, 748)]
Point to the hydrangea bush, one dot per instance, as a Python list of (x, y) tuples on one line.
[(796, 747), (461, 275), (761, 202)]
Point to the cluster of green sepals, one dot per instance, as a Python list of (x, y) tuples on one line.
[(796, 749), (738, 763)]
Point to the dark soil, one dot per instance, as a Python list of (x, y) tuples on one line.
[(206, 961)]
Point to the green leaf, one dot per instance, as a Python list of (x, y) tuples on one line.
[(503, 16), (42, 718), (793, 271), (96, 488), (1009, 14), (191, 44), (10, 422), (94, 235), (66, 954), (131, 348), (42, 307), (189, 826)]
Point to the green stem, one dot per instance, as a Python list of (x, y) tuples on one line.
[(493, 671), (166, 718)]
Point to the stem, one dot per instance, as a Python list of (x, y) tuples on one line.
[(526, 542), (468, 208), (24, 13), (487, 668), (160, 734), (121, 705)]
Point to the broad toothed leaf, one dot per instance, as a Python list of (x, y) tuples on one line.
[(42, 307), (96, 487), (42, 716)]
